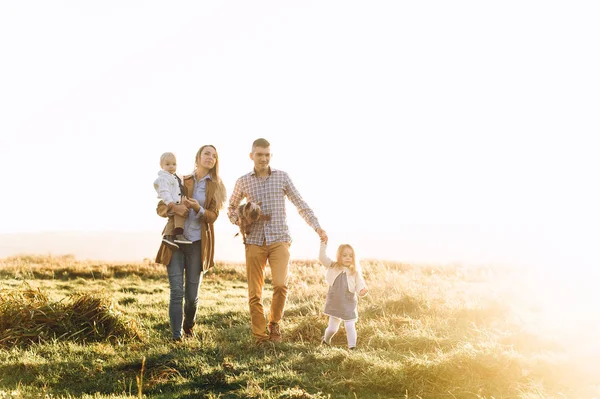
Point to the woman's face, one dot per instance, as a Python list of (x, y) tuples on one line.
[(208, 158)]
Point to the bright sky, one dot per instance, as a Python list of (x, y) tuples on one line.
[(435, 131)]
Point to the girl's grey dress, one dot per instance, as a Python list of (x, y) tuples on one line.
[(340, 302)]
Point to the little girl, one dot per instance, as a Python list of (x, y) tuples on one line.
[(345, 280)]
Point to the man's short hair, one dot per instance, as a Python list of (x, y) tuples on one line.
[(260, 143)]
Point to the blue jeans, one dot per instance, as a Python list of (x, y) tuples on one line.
[(186, 263)]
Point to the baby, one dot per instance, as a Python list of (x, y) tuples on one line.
[(169, 188)]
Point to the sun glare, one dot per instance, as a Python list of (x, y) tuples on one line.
[(562, 308)]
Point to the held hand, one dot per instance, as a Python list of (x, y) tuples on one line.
[(323, 235), (191, 203), (180, 210), (363, 292)]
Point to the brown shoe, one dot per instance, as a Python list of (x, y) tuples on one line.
[(274, 332), (189, 332)]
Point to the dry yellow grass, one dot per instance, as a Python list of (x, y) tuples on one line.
[(28, 316), (425, 331)]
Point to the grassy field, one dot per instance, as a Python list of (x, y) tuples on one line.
[(423, 332)]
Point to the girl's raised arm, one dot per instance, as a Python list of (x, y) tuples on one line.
[(323, 255)]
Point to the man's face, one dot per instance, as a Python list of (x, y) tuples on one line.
[(261, 157)]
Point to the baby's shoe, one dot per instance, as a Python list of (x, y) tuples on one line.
[(180, 239), (169, 241)]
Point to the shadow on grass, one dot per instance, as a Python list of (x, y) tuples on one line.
[(223, 320), (176, 372)]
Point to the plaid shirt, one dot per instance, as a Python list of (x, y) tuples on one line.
[(270, 191)]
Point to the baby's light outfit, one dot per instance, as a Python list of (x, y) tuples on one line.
[(169, 188)]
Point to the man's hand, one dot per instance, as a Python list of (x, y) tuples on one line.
[(363, 292), (322, 234)]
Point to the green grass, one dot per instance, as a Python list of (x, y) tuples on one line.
[(423, 332)]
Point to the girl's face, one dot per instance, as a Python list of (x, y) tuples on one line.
[(169, 165), (347, 257), (208, 158)]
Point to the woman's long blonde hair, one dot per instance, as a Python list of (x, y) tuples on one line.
[(354, 267), (220, 192)]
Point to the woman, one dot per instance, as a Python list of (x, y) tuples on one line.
[(204, 197)]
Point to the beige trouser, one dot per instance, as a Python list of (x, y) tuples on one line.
[(278, 255), (175, 222)]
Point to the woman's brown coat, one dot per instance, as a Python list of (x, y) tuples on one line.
[(207, 234)]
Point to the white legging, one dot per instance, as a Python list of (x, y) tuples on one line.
[(333, 327)]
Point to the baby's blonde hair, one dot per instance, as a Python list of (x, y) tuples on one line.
[(338, 257), (166, 155)]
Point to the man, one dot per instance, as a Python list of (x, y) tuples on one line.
[(269, 238)]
